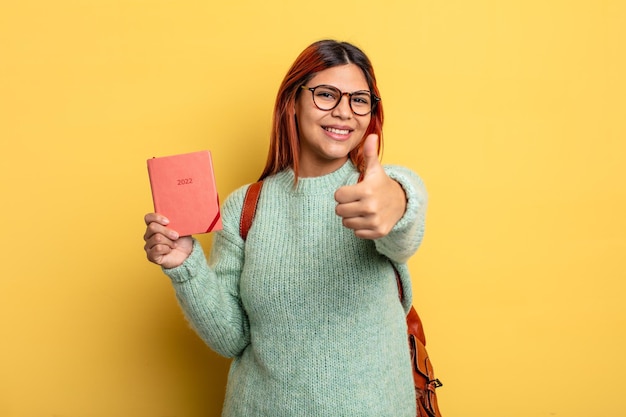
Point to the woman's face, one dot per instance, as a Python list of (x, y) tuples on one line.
[(327, 136)]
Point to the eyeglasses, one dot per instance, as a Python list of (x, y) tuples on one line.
[(327, 97)]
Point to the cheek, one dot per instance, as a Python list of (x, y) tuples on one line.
[(365, 124), (307, 118), (299, 117), (300, 107), (303, 124)]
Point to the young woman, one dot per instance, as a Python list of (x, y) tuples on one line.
[(308, 304)]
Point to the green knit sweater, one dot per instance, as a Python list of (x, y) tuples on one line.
[(309, 312)]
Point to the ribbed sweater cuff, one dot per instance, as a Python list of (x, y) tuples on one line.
[(190, 268), (412, 201)]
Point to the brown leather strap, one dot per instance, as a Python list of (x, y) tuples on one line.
[(413, 320), (249, 208)]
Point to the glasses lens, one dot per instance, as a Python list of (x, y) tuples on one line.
[(326, 97), (361, 102)]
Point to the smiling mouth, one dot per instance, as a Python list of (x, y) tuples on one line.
[(337, 131)]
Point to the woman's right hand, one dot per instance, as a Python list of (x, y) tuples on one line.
[(163, 246)]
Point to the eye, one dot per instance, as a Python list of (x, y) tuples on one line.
[(361, 98), (326, 93)]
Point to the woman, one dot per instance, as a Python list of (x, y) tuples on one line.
[(308, 305)]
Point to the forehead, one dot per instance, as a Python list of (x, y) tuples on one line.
[(347, 77)]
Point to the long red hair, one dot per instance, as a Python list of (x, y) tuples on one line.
[(284, 150)]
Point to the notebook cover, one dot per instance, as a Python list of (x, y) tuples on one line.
[(184, 191)]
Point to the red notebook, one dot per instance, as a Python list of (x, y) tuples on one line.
[(184, 191)]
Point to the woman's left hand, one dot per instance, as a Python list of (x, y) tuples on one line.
[(373, 206)]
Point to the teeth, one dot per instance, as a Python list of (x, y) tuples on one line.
[(337, 131)]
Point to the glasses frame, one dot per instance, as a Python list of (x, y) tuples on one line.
[(374, 97)]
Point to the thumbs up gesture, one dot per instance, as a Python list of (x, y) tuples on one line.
[(373, 206)]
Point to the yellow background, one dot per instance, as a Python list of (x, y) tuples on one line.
[(513, 112)]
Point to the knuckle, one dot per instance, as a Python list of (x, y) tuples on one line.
[(370, 207), (383, 230), (368, 192)]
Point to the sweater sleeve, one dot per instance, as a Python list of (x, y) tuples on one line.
[(208, 292), (406, 236)]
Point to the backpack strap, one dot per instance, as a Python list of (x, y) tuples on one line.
[(248, 210)]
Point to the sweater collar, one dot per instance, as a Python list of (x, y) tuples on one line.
[(317, 185)]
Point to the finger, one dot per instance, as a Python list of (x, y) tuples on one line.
[(359, 208), (370, 154), (352, 193), (157, 253), (156, 218), (157, 250), (155, 228), (159, 239), (358, 191), (368, 234), (364, 228), (370, 222), (347, 194), (354, 223)]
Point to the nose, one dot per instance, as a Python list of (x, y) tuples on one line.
[(343, 109)]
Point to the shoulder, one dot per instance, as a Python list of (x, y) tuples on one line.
[(231, 211), (234, 201)]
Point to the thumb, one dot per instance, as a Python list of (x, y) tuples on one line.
[(370, 154)]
